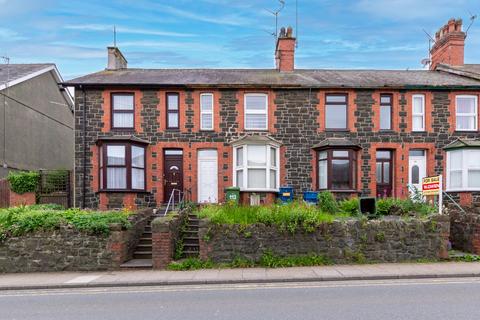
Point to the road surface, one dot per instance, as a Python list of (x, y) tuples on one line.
[(393, 299)]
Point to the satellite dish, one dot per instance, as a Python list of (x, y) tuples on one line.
[(425, 61)]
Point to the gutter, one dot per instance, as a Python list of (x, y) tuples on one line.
[(84, 132)]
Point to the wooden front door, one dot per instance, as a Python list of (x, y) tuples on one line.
[(172, 172), (384, 174)]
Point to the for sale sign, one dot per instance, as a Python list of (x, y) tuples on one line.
[(431, 186)]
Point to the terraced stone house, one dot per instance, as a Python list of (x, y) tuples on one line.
[(140, 133)]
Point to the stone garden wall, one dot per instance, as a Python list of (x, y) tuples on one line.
[(465, 229), (67, 249), (340, 241)]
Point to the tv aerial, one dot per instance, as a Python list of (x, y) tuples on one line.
[(275, 13), (472, 20)]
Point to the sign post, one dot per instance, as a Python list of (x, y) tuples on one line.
[(433, 186)]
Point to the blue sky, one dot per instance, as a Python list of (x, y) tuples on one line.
[(226, 34)]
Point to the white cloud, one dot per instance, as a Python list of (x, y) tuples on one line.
[(10, 35), (109, 28)]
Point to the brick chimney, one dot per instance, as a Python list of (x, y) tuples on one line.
[(116, 60), (285, 51), (449, 45)]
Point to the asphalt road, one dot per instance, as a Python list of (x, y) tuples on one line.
[(405, 299)]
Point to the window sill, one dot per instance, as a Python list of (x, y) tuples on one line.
[(172, 129), (123, 129), (207, 130), (263, 130), (340, 191), (122, 191), (465, 131), (337, 130), (260, 190)]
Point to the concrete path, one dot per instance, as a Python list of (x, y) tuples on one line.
[(229, 276)]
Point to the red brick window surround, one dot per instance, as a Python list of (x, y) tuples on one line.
[(122, 167), (256, 111), (337, 169), (466, 113), (206, 111), (386, 111), (336, 112), (173, 110), (418, 112), (123, 111)]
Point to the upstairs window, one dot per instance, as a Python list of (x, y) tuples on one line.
[(122, 111), (256, 111), (466, 110), (386, 112), (122, 167), (337, 169), (336, 111), (418, 112), (173, 111), (206, 111), (463, 170), (256, 167)]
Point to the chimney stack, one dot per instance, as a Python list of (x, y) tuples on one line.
[(285, 51), (116, 60), (449, 45)]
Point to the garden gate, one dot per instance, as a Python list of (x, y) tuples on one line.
[(55, 186)]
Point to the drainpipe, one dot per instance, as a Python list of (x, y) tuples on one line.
[(84, 132)]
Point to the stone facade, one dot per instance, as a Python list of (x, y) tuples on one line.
[(296, 119), (465, 229), (342, 242), (66, 249)]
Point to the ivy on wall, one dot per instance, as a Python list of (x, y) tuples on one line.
[(23, 181)]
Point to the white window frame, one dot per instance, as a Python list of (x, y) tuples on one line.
[(418, 114), (202, 112), (262, 112), (267, 167), (475, 115), (466, 155)]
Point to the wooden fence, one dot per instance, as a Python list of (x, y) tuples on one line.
[(4, 194)]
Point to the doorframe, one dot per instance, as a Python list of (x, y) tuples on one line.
[(198, 170), (425, 152), (164, 157)]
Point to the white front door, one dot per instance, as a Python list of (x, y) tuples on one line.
[(207, 176), (417, 169)]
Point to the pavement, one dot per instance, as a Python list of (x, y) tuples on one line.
[(128, 278)]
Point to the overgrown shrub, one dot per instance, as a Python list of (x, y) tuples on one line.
[(289, 217), (23, 181), (350, 206), (18, 221), (327, 202)]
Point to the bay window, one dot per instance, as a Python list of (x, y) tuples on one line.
[(463, 170), (123, 110), (466, 111), (122, 167), (256, 111), (337, 169), (256, 167)]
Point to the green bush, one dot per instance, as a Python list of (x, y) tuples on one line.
[(327, 202), (18, 221), (392, 206), (270, 260), (350, 206), (289, 217), (23, 181)]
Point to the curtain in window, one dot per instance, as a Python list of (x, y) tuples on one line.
[(116, 178), (257, 178), (123, 102), (123, 120)]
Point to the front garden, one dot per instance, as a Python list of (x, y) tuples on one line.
[(331, 232)]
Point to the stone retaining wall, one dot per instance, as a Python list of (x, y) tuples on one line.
[(67, 249), (465, 229), (341, 241)]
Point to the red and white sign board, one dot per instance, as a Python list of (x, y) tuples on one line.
[(431, 186)]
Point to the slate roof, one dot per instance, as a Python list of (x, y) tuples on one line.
[(14, 72), (303, 78), (336, 143), (463, 143), (466, 70)]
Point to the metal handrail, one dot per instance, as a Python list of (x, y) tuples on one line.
[(181, 199)]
